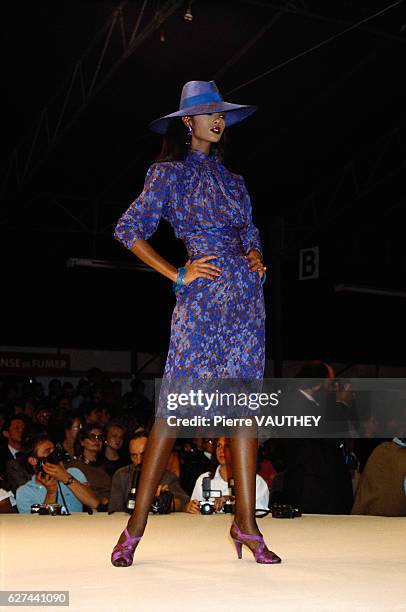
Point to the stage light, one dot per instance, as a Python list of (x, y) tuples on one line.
[(188, 15), (162, 37)]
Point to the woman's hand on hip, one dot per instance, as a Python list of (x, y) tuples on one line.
[(200, 269)]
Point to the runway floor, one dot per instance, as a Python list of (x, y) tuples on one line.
[(187, 562)]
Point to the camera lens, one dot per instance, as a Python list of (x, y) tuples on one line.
[(206, 509)]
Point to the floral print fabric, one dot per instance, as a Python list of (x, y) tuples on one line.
[(217, 325)]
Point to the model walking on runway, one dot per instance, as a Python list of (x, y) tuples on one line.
[(218, 324)]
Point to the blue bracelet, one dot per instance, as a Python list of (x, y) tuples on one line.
[(179, 279), (263, 279)]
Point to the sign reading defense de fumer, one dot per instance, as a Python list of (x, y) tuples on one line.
[(33, 363)]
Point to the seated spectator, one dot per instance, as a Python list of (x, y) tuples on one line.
[(42, 414), (104, 413), (18, 471), (266, 467), (382, 487), (90, 413), (220, 473), (68, 390), (51, 483), (316, 477), (196, 459), (54, 389), (11, 445), (62, 404), (124, 478), (82, 394), (88, 450), (64, 430), (113, 460)]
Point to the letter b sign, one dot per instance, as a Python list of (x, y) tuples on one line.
[(309, 263)]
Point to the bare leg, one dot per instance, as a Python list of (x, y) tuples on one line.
[(244, 457), (156, 458), (244, 449)]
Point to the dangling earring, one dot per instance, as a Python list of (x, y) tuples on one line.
[(188, 140)]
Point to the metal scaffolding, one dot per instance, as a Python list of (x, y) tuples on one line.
[(119, 38)]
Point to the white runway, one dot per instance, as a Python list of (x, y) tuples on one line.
[(187, 562)]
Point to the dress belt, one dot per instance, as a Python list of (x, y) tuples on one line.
[(219, 241)]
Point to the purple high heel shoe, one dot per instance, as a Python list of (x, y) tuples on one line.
[(124, 551), (261, 554)]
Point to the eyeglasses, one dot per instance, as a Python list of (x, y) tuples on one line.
[(95, 437)]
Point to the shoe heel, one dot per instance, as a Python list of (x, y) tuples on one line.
[(238, 547)]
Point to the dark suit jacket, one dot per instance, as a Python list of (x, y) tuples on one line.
[(316, 478), (5, 456)]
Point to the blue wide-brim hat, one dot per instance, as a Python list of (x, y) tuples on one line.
[(200, 98)]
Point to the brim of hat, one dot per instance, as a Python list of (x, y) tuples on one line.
[(235, 113)]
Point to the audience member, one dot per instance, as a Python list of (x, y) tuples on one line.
[(220, 473), (266, 468), (382, 487), (113, 459), (82, 394), (11, 445), (64, 430), (125, 477), (88, 450), (195, 461), (104, 412), (54, 389), (316, 478), (42, 414), (90, 413), (68, 390), (52, 483)]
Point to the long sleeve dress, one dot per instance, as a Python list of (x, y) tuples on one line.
[(217, 326)]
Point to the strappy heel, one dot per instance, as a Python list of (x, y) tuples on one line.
[(261, 554), (123, 553)]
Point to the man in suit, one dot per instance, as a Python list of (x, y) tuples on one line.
[(11, 445), (316, 477), (125, 478)]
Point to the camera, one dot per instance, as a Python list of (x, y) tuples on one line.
[(52, 509), (163, 503), (284, 511), (58, 455), (209, 495)]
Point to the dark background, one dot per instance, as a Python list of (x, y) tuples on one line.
[(324, 159)]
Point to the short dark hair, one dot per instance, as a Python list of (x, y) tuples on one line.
[(31, 443), (14, 417), (141, 433), (88, 407)]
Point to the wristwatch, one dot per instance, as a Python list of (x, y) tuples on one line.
[(69, 481)]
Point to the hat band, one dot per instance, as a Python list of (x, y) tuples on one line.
[(201, 99)]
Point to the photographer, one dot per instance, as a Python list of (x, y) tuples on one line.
[(124, 478), (51, 481), (221, 471)]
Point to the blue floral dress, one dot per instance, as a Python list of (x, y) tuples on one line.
[(217, 325)]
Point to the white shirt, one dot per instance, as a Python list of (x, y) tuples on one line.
[(219, 484), (13, 450)]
